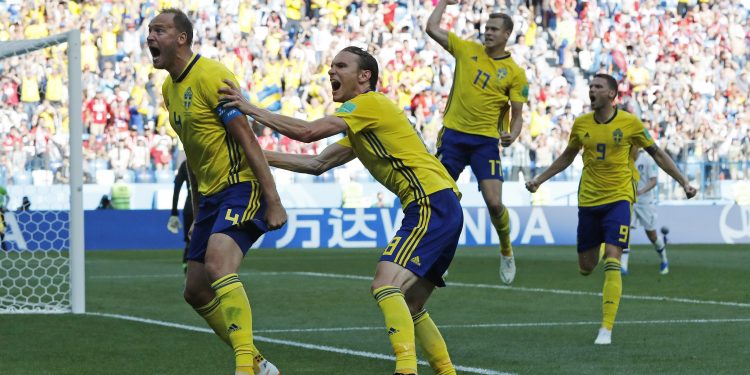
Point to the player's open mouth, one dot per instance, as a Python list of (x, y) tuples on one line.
[(335, 85), (155, 52)]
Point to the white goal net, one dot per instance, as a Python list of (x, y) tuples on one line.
[(42, 256)]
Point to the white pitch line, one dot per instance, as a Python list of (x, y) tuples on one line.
[(512, 325), (464, 285), (325, 348)]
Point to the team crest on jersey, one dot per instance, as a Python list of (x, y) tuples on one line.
[(502, 73), (187, 98), (617, 136)]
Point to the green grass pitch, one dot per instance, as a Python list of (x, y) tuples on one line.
[(313, 314)]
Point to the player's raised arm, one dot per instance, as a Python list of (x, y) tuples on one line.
[(239, 129), (299, 130), (667, 165), (557, 166), (331, 157), (433, 23)]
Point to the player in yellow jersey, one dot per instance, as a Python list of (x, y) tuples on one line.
[(380, 135), (607, 189), (484, 108), (234, 196)]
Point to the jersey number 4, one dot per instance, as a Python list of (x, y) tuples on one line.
[(177, 121)]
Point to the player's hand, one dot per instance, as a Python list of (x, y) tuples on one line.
[(174, 225), (231, 96), (190, 231), (689, 191), (505, 139), (532, 185), (275, 216)]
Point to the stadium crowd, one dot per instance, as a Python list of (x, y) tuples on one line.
[(682, 68)]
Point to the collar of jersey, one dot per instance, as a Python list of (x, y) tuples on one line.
[(610, 119), (187, 70), (501, 57)]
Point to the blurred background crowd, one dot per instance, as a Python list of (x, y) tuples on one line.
[(681, 64)]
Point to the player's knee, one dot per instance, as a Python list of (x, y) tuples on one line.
[(585, 272), (496, 208), (195, 297), (415, 306)]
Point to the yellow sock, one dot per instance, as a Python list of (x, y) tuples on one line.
[(235, 309), (215, 319), (400, 327), (612, 292), (601, 251), (432, 343), (502, 226)]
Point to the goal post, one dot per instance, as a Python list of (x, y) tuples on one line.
[(15, 299)]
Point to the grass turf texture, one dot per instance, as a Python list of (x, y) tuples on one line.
[(544, 324)]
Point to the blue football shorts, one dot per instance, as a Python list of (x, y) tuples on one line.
[(456, 150), (426, 242), (237, 211), (607, 223)]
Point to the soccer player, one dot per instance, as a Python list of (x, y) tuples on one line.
[(607, 189), (234, 196), (484, 109), (173, 225), (645, 211), (380, 135)]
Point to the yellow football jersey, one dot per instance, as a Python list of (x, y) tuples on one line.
[(385, 141), (192, 100), (608, 173), (482, 90)]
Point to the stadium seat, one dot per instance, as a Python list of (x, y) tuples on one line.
[(164, 176), (128, 176), (303, 178), (100, 164), (22, 178), (105, 177), (144, 176), (42, 177)]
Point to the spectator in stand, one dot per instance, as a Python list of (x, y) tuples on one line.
[(694, 60), (62, 175)]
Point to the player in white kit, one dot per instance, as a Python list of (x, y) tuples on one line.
[(645, 212)]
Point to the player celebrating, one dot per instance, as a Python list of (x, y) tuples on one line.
[(606, 190), (234, 195), (645, 212), (380, 135), (487, 86)]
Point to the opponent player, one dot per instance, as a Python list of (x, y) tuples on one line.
[(234, 196), (645, 211), (380, 135), (607, 188), (173, 225), (484, 107)]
